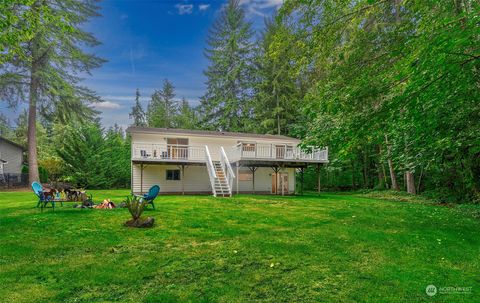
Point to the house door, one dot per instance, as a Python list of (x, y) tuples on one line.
[(280, 183), (177, 148), (280, 151)]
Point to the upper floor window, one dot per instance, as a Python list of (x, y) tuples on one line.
[(248, 147), (177, 141)]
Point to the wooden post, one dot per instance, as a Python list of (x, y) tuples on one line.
[(281, 178), (318, 178), (237, 176), (183, 179), (141, 178), (253, 169), (275, 170), (302, 170)]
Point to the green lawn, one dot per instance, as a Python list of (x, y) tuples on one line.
[(332, 248)]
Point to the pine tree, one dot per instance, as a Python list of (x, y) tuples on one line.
[(47, 65), (137, 113), (225, 104), (276, 105), (187, 117), (163, 108)]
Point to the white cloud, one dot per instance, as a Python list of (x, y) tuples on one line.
[(184, 9), (262, 3), (203, 7), (106, 105), (255, 7)]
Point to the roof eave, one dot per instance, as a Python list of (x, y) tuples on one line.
[(173, 132)]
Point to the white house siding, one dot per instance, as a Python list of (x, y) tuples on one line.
[(14, 157), (263, 181), (196, 179)]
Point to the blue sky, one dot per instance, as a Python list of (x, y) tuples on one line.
[(146, 41)]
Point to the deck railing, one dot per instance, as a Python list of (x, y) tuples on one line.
[(276, 152), (211, 170), (173, 152), (227, 168)]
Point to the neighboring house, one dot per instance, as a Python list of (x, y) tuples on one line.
[(11, 159), (221, 163)]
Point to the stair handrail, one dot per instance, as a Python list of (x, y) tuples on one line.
[(210, 169), (227, 168)]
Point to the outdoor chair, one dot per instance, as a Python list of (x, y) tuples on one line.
[(42, 199), (151, 195)]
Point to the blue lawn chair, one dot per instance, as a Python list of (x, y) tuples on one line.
[(42, 199), (151, 195)]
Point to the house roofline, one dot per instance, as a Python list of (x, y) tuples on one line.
[(12, 143), (207, 133)]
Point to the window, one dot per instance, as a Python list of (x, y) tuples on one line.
[(173, 174), (248, 147)]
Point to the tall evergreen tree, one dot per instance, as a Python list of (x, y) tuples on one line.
[(48, 63), (187, 117), (276, 100), (137, 113), (229, 83), (163, 108)]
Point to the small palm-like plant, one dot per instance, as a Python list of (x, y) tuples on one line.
[(136, 206)]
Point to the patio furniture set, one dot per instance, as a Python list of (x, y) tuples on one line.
[(49, 196)]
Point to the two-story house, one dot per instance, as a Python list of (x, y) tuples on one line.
[(220, 163)]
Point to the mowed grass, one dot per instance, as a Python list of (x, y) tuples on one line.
[(328, 248)]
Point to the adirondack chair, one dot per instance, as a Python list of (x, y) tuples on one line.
[(42, 199), (151, 195)]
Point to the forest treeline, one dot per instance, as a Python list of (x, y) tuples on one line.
[(390, 86)]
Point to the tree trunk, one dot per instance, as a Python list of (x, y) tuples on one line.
[(365, 170), (33, 175), (397, 11), (380, 171), (393, 177), (410, 182), (353, 174), (32, 139)]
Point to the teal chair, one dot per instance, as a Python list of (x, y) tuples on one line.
[(151, 195), (42, 199)]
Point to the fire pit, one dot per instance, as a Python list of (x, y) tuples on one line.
[(106, 204)]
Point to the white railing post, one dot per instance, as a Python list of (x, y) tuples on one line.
[(227, 168), (211, 170)]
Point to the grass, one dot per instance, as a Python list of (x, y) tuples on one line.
[(333, 247)]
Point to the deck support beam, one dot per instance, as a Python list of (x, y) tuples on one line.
[(236, 179), (183, 179), (141, 179), (302, 180), (253, 169)]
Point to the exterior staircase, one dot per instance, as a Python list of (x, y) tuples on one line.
[(222, 188)]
